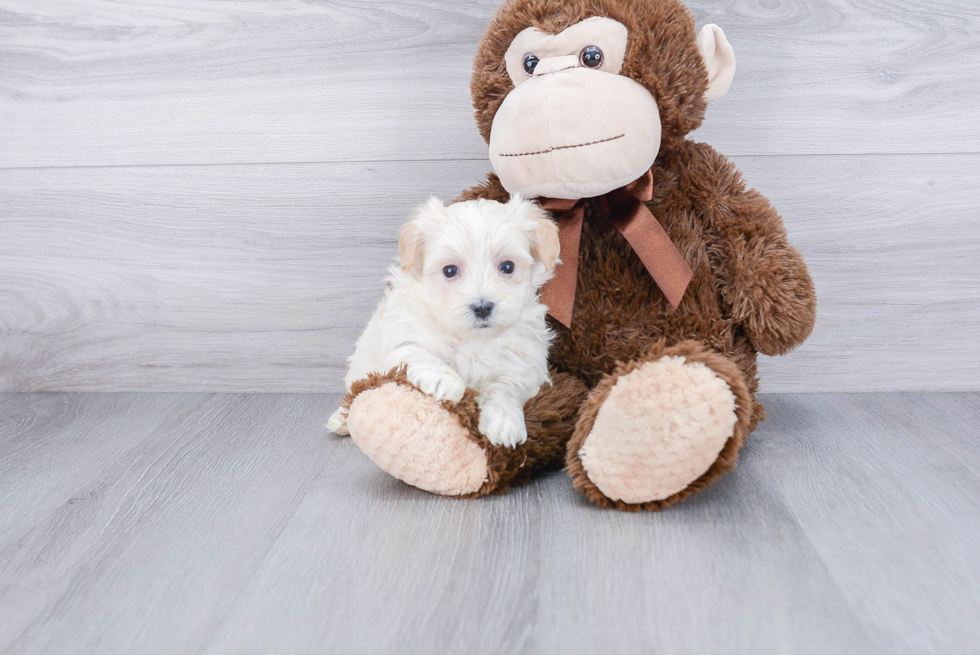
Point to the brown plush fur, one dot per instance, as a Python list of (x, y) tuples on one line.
[(751, 290), (550, 417)]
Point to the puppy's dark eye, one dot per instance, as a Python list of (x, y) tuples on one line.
[(530, 61), (450, 271), (507, 267), (591, 56)]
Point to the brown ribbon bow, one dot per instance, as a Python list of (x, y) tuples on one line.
[(626, 210)]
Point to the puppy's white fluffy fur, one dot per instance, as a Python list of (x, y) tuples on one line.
[(453, 259)]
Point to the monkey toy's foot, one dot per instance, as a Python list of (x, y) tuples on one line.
[(437, 446), (660, 428)]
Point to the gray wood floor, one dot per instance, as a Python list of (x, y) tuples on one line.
[(191, 523)]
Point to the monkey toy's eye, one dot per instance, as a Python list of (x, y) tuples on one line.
[(450, 271), (591, 56), (530, 61), (507, 267)]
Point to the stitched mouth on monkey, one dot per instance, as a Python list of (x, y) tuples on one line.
[(554, 148)]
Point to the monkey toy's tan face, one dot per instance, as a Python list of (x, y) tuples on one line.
[(573, 126)]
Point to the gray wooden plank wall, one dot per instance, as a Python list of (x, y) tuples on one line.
[(204, 196)]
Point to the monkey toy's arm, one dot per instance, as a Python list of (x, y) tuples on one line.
[(765, 282)]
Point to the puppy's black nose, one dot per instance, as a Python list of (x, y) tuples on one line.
[(482, 309)]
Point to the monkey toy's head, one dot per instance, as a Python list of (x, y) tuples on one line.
[(575, 97)]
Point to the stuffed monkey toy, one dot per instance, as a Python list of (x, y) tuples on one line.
[(673, 274)]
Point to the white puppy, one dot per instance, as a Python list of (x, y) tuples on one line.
[(463, 311)]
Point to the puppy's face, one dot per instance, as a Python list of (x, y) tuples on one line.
[(479, 263)]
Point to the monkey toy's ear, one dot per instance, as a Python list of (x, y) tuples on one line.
[(719, 59)]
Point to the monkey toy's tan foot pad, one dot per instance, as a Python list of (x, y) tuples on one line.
[(659, 428), (413, 437), (437, 446)]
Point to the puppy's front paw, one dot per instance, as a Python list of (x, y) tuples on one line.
[(440, 382), (503, 425)]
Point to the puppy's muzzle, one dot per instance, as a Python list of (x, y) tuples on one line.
[(482, 309)]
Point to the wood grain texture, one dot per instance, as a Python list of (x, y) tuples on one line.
[(260, 278), (847, 76), (893, 244), (234, 524), (201, 278), (135, 527), (103, 82)]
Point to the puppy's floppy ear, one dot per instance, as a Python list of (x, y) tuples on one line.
[(411, 236), (545, 246), (409, 245)]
